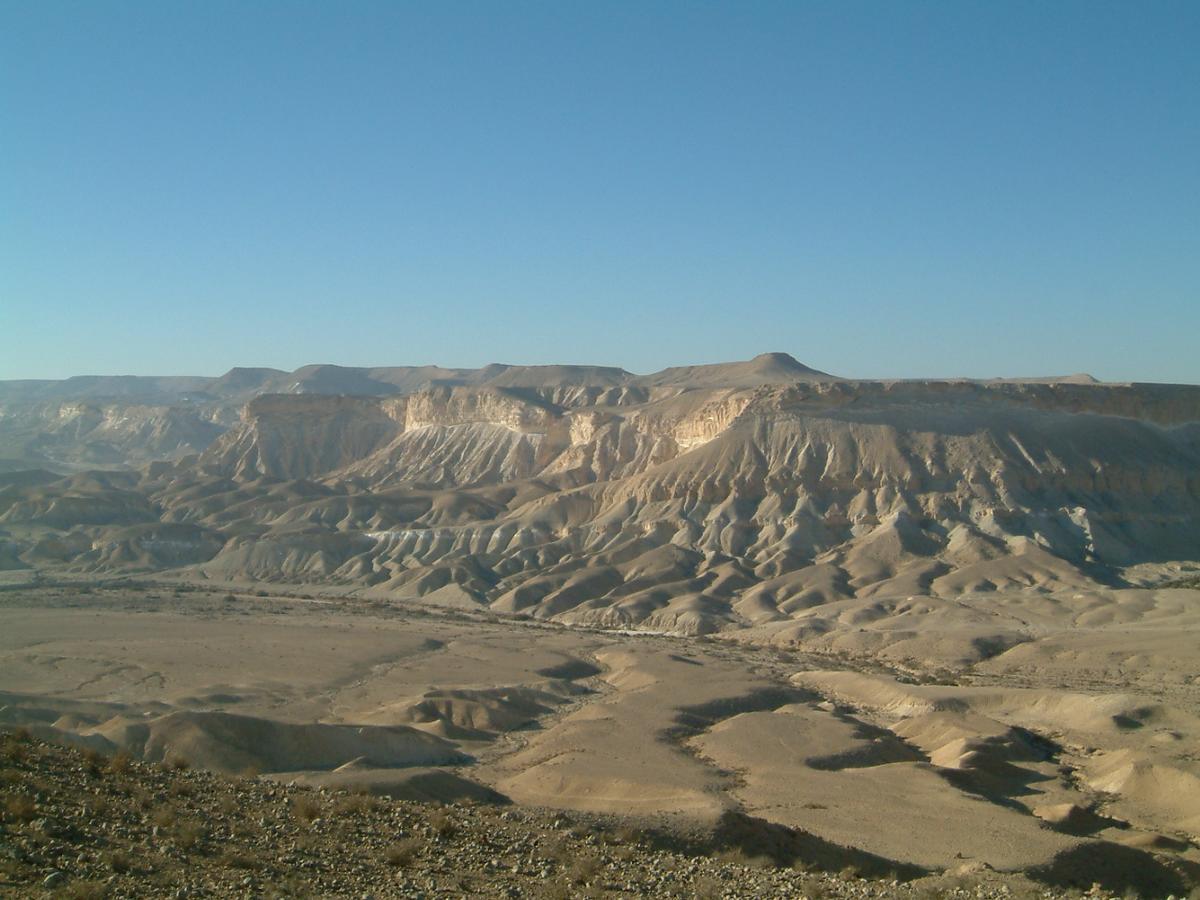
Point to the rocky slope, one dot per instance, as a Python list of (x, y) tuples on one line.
[(86, 826)]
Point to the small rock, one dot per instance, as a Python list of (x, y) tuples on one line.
[(54, 879)]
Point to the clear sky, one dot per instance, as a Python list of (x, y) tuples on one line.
[(881, 189)]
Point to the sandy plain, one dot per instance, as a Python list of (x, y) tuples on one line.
[(1072, 750)]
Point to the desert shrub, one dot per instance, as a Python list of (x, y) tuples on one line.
[(306, 808), (584, 868), (15, 747), (164, 817), (560, 851), (178, 763), (237, 859), (142, 799), (120, 861), (20, 808), (189, 834), (402, 854), (442, 824), (355, 804), (181, 789), (629, 834), (119, 762)]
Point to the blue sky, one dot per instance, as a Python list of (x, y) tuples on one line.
[(881, 189)]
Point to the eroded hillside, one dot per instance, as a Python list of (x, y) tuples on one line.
[(754, 495)]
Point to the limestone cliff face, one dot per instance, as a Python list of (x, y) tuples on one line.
[(302, 435), (504, 408)]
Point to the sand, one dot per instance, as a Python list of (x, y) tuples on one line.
[(1020, 761)]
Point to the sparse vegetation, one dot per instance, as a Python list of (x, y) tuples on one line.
[(188, 834), (19, 809), (119, 762), (584, 868), (442, 824), (306, 808), (178, 763), (403, 853), (354, 804)]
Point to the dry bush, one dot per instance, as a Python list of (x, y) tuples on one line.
[(560, 850), (92, 759), (442, 824), (189, 834), (402, 854), (119, 762), (143, 799), (629, 834), (181, 789), (232, 858), (20, 808), (16, 746), (355, 804), (306, 808), (21, 735), (308, 843), (584, 868), (624, 852), (164, 817)]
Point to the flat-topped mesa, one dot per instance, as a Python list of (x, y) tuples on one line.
[(1161, 404)]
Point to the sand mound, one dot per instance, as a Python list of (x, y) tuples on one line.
[(481, 714), (419, 784), (224, 742)]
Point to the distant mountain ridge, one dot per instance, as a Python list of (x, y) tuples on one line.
[(701, 498)]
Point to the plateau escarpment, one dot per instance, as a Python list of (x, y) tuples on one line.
[(699, 499)]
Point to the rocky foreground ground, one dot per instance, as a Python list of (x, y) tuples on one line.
[(82, 825)]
